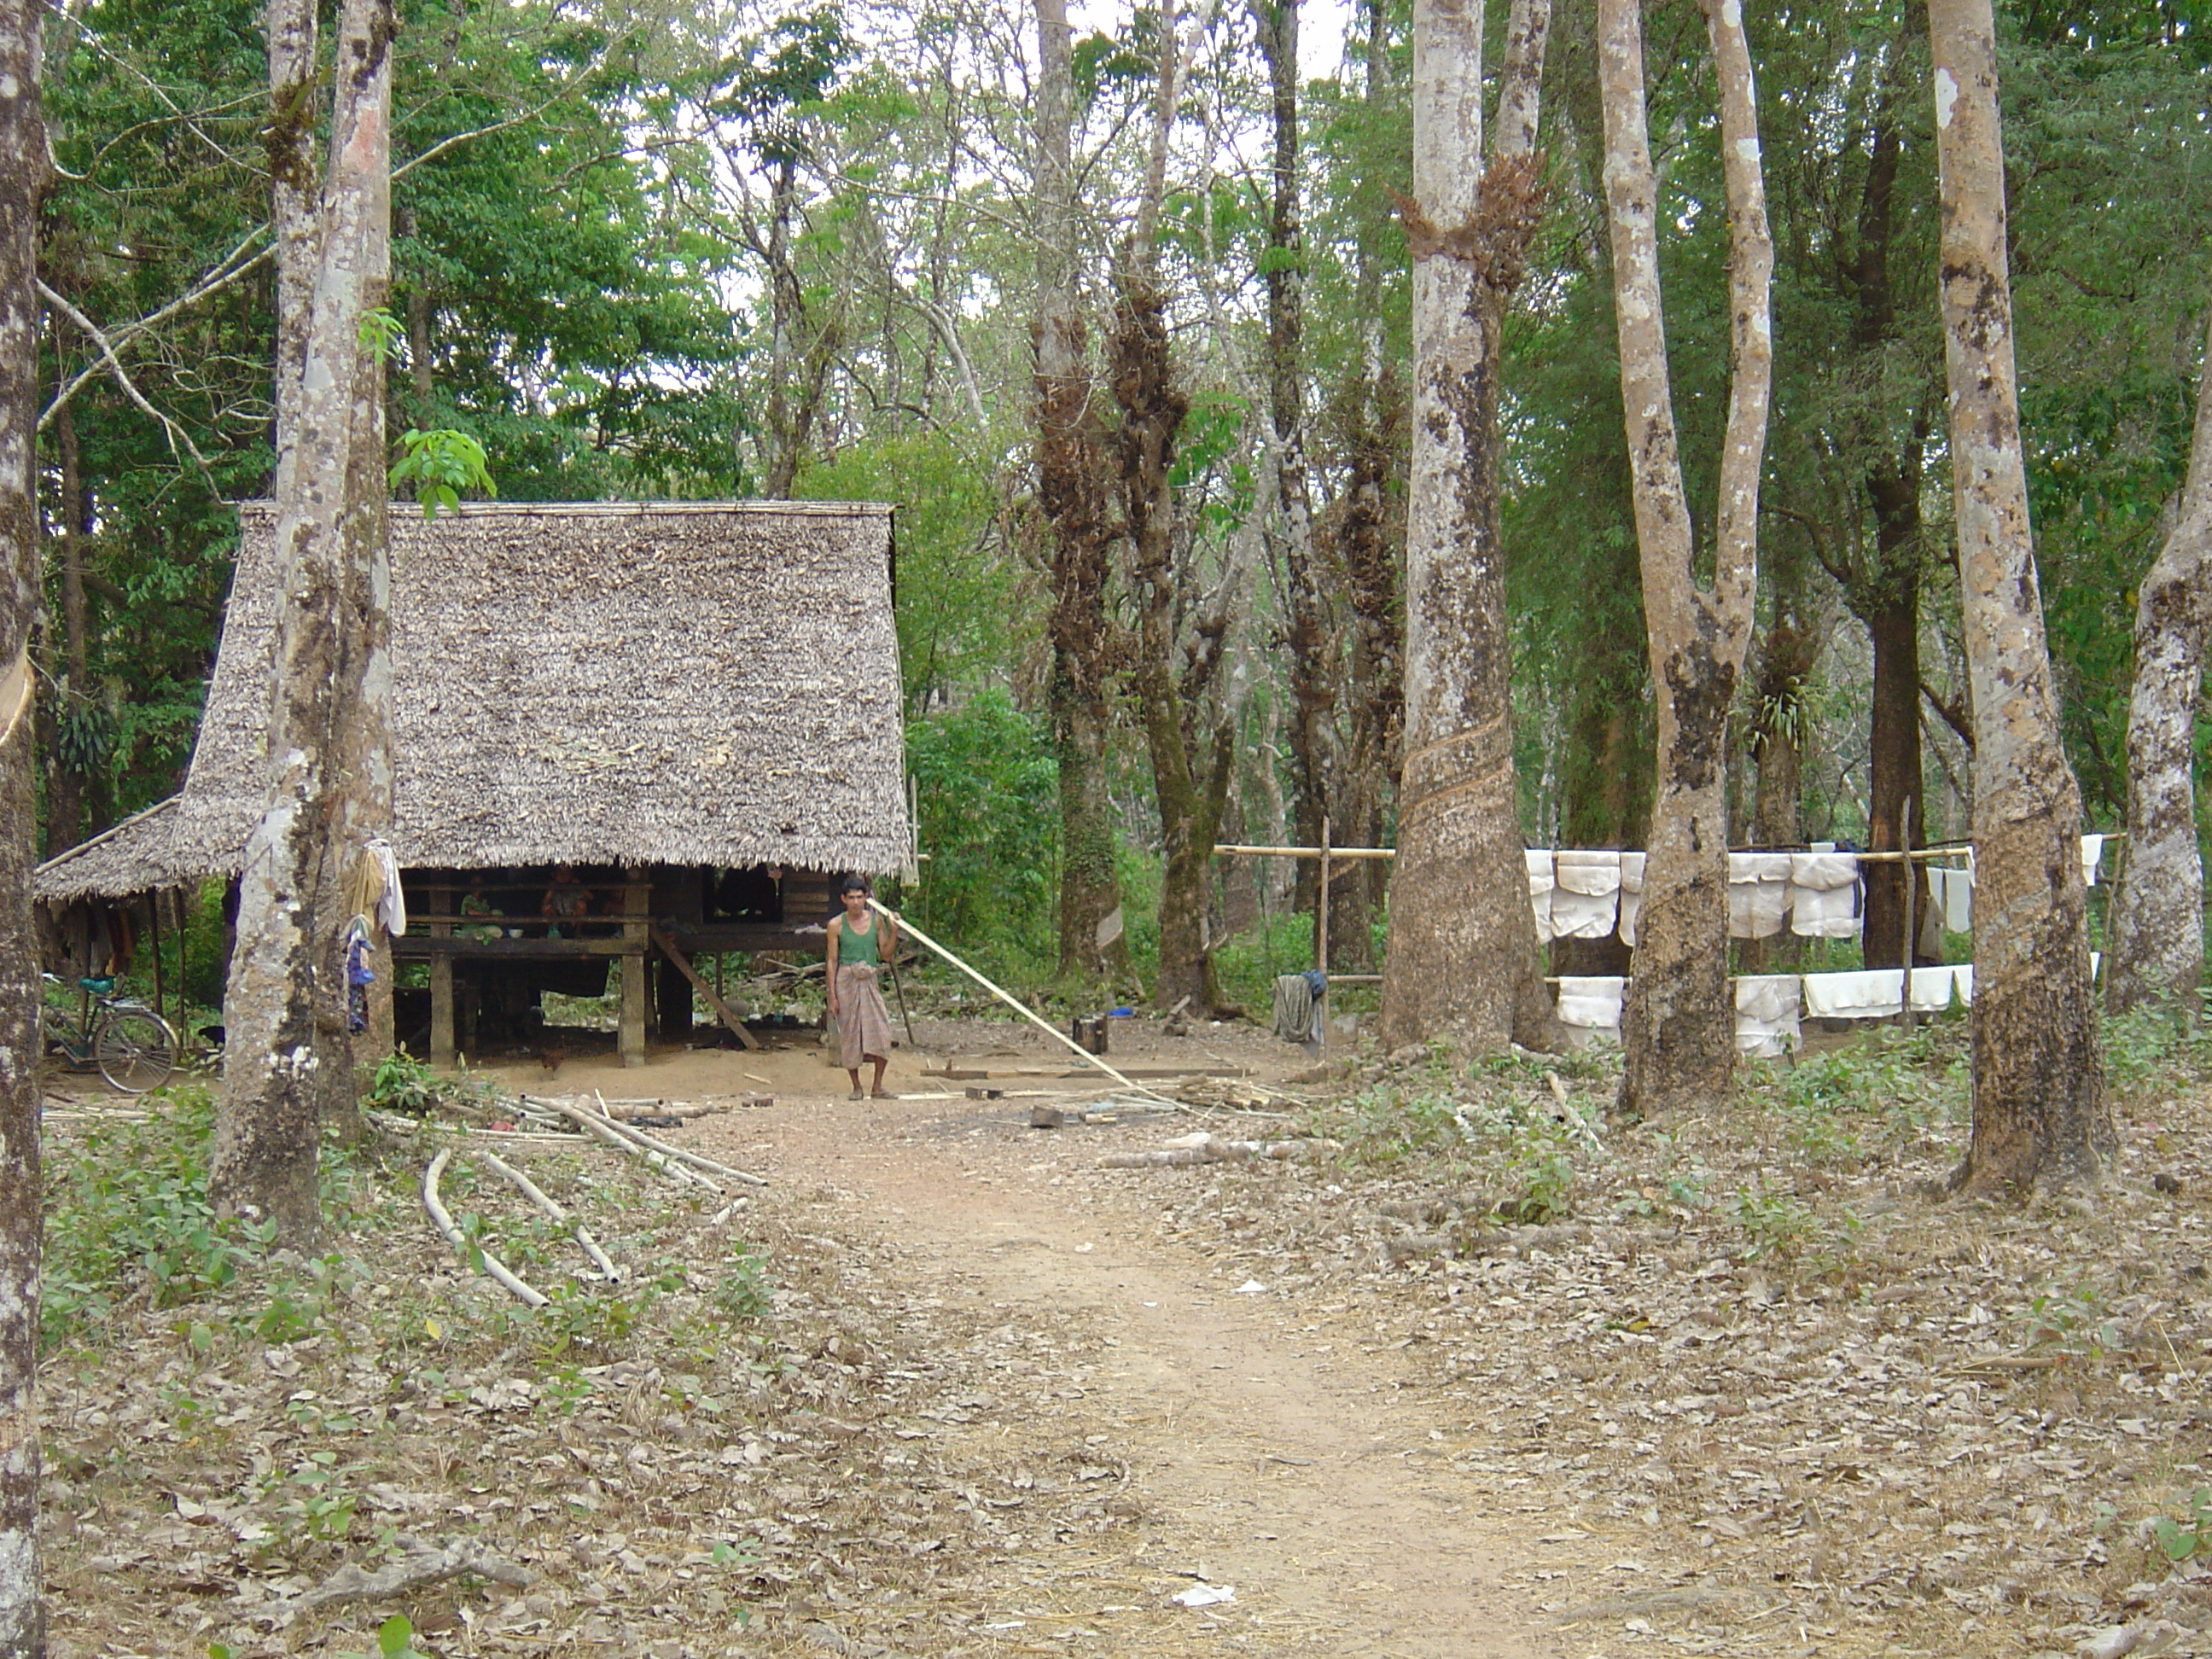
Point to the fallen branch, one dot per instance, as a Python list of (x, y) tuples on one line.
[(1196, 1149), (424, 1563), (530, 1190), (490, 1263)]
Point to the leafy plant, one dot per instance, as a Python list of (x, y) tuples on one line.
[(742, 1293), (441, 465), (2189, 1536)]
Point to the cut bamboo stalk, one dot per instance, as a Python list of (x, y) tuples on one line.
[(530, 1190), (492, 1265), (682, 1154), (602, 1130), (1007, 997)]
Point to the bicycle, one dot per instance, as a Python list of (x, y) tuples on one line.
[(130, 1045)]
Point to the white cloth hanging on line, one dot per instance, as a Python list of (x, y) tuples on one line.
[(1876, 994), (1540, 883), (1951, 896), (1585, 894), (1591, 1003), (1824, 893), (2093, 854), (1632, 896), (1758, 894), (1767, 1006)]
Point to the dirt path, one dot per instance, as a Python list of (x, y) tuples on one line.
[(1268, 1445)]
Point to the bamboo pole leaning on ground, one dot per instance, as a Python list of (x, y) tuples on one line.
[(530, 1189), (1006, 997), (492, 1265)]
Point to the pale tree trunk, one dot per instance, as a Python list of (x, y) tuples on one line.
[(284, 1006), (69, 790), (1677, 1029), (1464, 963), (22, 181), (289, 140), (1071, 495), (2040, 1115), (2157, 952)]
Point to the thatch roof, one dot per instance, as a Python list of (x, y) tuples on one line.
[(688, 684)]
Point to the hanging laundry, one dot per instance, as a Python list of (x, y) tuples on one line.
[(1867, 995), (1951, 896), (1758, 894), (2093, 855), (1767, 1008), (392, 908), (1824, 893), (1933, 989), (1591, 1003), (1540, 882), (359, 978), (1632, 896), (1585, 894)]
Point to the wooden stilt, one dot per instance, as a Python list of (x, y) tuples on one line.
[(637, 900), (441, 986)]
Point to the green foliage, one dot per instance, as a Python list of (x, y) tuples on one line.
[(990, 822), (395, 1640), (2178, 1541), (441, 465), (127, 1217), (743, 1291)]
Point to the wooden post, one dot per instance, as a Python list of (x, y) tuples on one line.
[(1321, 914), (637, 900), (154, 902), (1911, 927), (441, 984)]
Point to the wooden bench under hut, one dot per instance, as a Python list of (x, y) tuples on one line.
[(623, 735)]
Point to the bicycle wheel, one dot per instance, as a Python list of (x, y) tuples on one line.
[(135, 1050)]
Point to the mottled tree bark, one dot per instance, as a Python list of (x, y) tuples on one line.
[(2157, 951), (22, 181), (1678, 1029), (1888, 602), (1191, 755), (1071, 495), (67, 788), (1464, 963), (285, 1005), (2040, 1114)]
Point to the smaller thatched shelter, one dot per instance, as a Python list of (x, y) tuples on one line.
[(697, 704)]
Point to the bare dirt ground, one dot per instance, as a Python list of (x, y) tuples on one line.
[(1471, 1371)]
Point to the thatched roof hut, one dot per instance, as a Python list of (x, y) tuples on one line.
[(694, 684)]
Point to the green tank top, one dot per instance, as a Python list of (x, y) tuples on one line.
[(854, 949)]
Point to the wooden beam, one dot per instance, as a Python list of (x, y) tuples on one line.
[(722, 1010), (637, 895)]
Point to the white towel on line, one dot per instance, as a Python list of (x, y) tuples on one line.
[(1864, 995), (1591, 1002), (1585, 894), (1758, 894), (1632, 896), (2093, 854), (1951, 896), (1766, 1022), (1540, 883), (1824, 895)]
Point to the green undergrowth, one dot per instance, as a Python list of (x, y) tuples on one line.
[(129, 1229)]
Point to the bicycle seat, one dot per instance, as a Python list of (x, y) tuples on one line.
[(100, 984)]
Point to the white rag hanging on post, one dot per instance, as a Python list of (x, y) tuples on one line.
[(1540, 883), (1758, 894), (1824, 892), (1591, 1003), (1632, 896), (1585, 894)]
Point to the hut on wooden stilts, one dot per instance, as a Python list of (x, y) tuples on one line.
[(622, 734)]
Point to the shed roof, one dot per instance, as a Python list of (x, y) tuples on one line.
[(604, 682)]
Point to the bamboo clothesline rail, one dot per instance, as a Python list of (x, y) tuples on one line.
[(1952, 849)]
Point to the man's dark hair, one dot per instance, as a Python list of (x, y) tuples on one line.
[(852, 885)]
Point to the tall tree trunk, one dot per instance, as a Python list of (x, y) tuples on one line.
[(284, 1006), (1366, 549), (1071, 495), (68, 787), (1190, 766), (1463, 962), (1786, 659), (2040, 1114), (1677, 1029), (1889, 604), (2157, 951), (1309, 632), (22, 181)]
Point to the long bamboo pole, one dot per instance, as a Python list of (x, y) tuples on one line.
[(1006, 997)]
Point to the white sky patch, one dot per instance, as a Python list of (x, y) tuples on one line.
[(1325, 28)]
